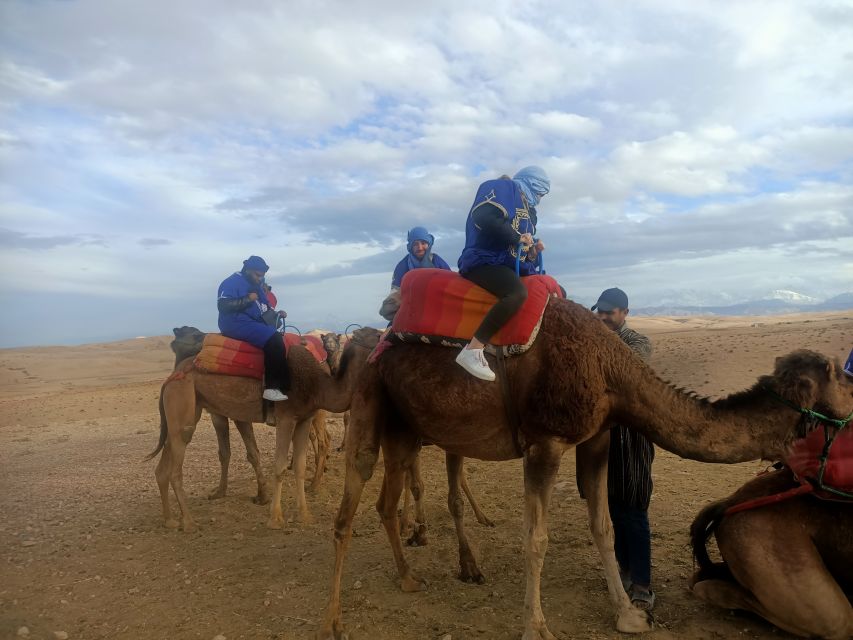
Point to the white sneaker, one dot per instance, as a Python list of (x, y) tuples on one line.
[(274, 395), (474, 362)]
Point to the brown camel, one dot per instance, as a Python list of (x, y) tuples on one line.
[(790, 562), (188, 391), (575, 380), (187, 344)]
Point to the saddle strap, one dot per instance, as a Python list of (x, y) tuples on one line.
[(509, 403)]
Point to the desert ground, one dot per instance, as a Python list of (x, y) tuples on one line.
[(85, 553)]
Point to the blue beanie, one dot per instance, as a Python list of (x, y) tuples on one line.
[(256, 263), (419, 233)]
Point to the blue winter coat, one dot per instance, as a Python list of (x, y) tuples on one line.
[(406, 264), (480, 249), (247, 324)]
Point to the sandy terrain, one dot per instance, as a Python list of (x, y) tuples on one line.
[(84, 551)]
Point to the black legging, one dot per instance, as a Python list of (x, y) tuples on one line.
[(276, 371), (502, 282)]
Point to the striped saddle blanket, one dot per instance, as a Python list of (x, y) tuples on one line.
[(444, 308), (237, 358)]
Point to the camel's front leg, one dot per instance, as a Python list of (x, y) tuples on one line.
[(284, 425), (182, 416), (253, 455), (541, 464), (399, 454), (592, 477), (417, 523), (300, 454), (468, 569), (362, 454), (220, 425)]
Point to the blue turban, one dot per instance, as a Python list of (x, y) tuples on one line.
[(848, 367), (419, 233), (256, 263), (533, 182)]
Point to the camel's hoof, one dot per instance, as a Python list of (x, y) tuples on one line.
[(634, 620), (275, 523), (171, 523), (261, 498), (190, 527), (216, 494), (418, 537), (486, 522), (328, 634), (305, 517), (472, 576), (412, 584), (540, 633)]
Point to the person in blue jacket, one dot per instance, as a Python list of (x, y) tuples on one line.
[(419, 244), (848, 366), (501, 220), (245, 314)]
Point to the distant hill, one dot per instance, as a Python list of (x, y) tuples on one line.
[(779, 302)]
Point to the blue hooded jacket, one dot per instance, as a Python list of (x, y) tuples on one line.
[(247, 324)]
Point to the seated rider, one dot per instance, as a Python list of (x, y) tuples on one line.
[(420, 256), (848, 366), (245, 314), (502, 217)]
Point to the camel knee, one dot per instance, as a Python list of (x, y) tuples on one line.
[(365, 463), (456, 505), (187, 433)]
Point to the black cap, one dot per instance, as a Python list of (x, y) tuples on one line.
[(611, 299)]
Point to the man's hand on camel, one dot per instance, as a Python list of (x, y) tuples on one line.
[(253, 296)]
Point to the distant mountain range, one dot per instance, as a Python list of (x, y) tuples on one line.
[(778, 302)]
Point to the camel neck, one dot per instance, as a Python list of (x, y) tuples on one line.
[(744, 426)]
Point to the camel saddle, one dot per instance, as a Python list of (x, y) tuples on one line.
[(824, 460), (441, 307), (232, 357)]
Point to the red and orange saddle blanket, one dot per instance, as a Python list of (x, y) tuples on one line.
[(822, 463), (237, 358), (442, 307)]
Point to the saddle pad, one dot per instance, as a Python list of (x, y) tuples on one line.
[(237, 358), (435, 302), (804, 459)]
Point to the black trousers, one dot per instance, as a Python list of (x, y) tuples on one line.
[(502, 282), (276, 371)]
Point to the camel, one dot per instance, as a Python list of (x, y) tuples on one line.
[(187, 343), (790, 562), (189, 390), (576, 379)]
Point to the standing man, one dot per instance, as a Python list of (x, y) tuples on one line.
[(629, 471)]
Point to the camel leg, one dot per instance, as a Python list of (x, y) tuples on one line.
[(162, 475), (416, 488), (284, 426), (346, 428), (220, 425), (468, 569), (182, 415), (406, 519), (478, 513), (399, 454), (592, 475), (300, 456), (541, 464), (321, 448), (782, 576), (253, 455), (362, 455)]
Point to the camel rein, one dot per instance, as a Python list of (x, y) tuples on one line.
[(838, 423)]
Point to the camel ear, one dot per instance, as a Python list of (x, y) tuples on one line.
[(805, 392)]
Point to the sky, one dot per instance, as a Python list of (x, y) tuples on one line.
[(699, 152)]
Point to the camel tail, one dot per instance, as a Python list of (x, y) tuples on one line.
[(163, 431), (703, 526)]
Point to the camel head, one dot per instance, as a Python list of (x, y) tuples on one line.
[(187, 342), (333, 344), (810, 380)]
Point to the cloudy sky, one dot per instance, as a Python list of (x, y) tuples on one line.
[(699, 152)]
